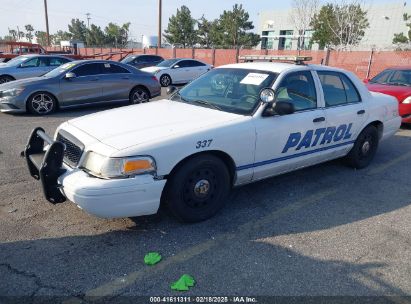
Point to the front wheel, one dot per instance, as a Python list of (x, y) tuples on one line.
[(165, 80), (4, 79), (198, 189), (41, 103), (364, 148), (139, 95)]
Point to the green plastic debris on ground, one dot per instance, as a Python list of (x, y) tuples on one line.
[(183, 283), (152, 258)]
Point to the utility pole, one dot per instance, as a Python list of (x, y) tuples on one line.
[(159, 25), (47, 22), (88, 20)]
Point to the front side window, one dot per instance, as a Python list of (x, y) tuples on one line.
[(338, 89), (227, 89), (298, 88), (87, 69), (168, 63), (57, 61), (31, 63)]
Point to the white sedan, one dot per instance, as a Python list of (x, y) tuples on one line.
[(178, 70), (232, 126)]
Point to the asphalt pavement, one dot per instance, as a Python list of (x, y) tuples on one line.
[(322, 231)]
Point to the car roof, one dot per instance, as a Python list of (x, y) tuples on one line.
[(399, 67), (45, 55), (279, 67)]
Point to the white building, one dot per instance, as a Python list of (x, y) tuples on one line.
[(279, 33)]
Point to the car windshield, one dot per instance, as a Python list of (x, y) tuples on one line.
[(393, 77), (59, 70), (16, 61), (167, 63), (128, 59), (227, 89)]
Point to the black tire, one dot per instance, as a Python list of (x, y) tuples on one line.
[(6, 78), (364, 148), (198, 189), (165, 80), (41, 103), (139, 95)]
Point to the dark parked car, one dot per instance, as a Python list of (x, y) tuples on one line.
[(142, 61), (78, 83)]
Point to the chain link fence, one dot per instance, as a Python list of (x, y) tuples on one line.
[(365, 64)]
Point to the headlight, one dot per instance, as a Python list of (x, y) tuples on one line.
[(407, 100), (12, 92), (108, 167)]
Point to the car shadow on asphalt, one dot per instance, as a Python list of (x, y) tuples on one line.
[(281, 236)]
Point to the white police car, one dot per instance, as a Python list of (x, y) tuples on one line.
[(234, 125)]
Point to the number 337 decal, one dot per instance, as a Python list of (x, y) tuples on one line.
[(203, 143)]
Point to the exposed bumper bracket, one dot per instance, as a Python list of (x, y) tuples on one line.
[(46, 165)]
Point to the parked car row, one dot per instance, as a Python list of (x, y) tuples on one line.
[(41, 84)]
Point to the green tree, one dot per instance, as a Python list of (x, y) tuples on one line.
[(117, 35), (400, 37), (41, 37), (61, 36), (77, 29), (235, 25), (339, 26), (29, 32), (204, 33), (181, 28), (95, 36), (13, 35)]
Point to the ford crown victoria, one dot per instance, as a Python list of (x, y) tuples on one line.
[(234, 125)]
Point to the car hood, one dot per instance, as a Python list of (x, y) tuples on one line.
[(21, 83), (134, 125), (153, 69), (400, 92)]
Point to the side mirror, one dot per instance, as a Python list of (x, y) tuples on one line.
[(176, 66), (267, 95), (171, 90), (366, 80), (284, 108), (69, 75)]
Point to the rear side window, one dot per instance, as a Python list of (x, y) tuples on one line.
[(57, 61), (338, 89), (87, 69), (196, 63), (109, 68)]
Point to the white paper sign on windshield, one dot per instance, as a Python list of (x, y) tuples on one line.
[(254, 78)]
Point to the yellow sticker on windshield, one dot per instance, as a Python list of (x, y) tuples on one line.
[(254, 78), (67, 66)]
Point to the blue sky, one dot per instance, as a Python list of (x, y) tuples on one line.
[(141, 13)]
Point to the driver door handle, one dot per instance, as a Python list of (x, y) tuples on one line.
[(319, 119)]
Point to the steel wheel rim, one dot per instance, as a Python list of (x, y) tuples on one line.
[(140, 96), (165, 80), (42, 103), (366, 147), (200, 188)]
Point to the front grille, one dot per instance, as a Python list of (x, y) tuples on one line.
[(73, 151)]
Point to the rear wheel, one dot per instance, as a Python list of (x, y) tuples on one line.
[(139, 95), (364, 148), (198, 189), (41, 103), (5, 78), (165, 80)]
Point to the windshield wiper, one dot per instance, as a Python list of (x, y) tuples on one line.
[(206, 103)]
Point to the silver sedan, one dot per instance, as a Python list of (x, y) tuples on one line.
[(78, 83), (26, 66)]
